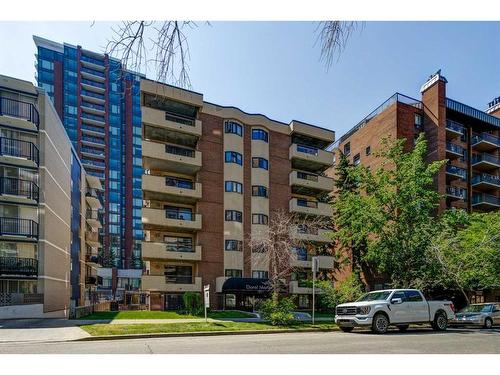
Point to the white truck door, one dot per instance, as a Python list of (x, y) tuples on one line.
[(399, 311), (418, 310)]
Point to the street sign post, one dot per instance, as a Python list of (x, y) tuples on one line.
[(315, 268), (206, 290)]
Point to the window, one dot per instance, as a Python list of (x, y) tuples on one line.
[(181, 244), (233, 157), (303, 301), (368, 151), (306, 203), (260, 274), (230, 301), (260, 163), (233, 128), (179, 274), (233, 215), (179, 182), (179, 213), (259, 134), (233, 187), (399, 295), (413, 296), (418, 121), (300, 253), (233, 245), (259, 191), (347, 149), (356, 160), (260, 219), (233, 273)]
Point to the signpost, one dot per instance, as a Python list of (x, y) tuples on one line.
[(315, 268), (206, 290)]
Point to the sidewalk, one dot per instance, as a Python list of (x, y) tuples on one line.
[(39, 330)]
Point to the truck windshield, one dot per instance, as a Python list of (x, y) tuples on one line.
[(375, 296), (476, 308)]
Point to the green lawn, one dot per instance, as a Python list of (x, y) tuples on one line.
[(130, 329), (110, 315)]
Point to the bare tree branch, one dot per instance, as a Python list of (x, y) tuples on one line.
[(333, 37)]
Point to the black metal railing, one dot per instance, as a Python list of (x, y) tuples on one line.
[(19, 187), (455, 126), (455, 148), (19, 109), (179, 151), (487, 178), (456, 171), (479, 198), (456, 192), (19, 149), (10, 299), (484, 157), (10, 226), (477, 138), (14, 266)]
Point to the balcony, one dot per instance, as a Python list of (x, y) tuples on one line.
[(309, 182), (92, 239), (18, 190), (455, 192), (93, 200), (325, 261), (485, 181), (170, 189), (165, 120), (93, 141), (160, 156), (16, 151), (18, 267), (92, 152), (454, 172), (182, 284), (158, 217), (92, 119), (94, 108), (485, 202), (320, 235), (454, 129), (485, 142), (15, 227), (89, 73), (93, 130), (13, 299), (159, 250), (92, 259), (310, 158), (93, 219), (93, 97), (19, 114), (91, 280), (454, 151), (303, 206), (485, 161)]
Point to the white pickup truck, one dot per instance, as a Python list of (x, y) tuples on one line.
[(398, 307)]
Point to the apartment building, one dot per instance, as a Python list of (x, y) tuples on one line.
[(42, 263), (99, 104), (213, 176), (467, 137)]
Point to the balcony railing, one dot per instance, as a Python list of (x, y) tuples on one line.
[(476, 138), (92, 60), (99, 85), (16, 186), (180, 248), (176, 215), (487, 178), (19, 149), (456, 171), (14, 266), (169, 149), (91, 128), (455, 126), (10, 226), (19, 109), (93, 151), (479, 198), (456, 192), (93, 117), (454, 148), (95, 163), (179, 119), (485, 157), (11, 299), (93, 106)]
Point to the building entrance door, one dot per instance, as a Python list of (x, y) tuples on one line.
[(173, 302)]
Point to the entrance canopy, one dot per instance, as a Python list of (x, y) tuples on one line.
[(246, 285)]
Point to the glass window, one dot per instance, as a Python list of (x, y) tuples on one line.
[(233, 215), (232, 127), (260, 274), (418, 120), (260, 219), (303, 301), (368, 151), (230, 301), (233, 157), (179, 213), (179, 274), (259, 191), (181, 244), (347, 149), (233, 187), (259, 134), (260, 163), (413, 296), (401, 295), (233, 245), (233, 273), (357, 159), (179, 182), (300, 253)]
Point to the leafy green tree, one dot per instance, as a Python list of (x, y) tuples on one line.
[(278, 310), (192, 303), (346, 290)]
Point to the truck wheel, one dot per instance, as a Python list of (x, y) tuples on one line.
[(403, 328), (380, 323), (488, 323), (346, 329), (440, 322)]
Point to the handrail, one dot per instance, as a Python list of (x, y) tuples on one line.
[(16, 186), (19, 148), (19, 109)]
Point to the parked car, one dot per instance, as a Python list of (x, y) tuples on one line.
[(397, 307), (485, 315)]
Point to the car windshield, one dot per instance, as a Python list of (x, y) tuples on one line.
[(476, 308), (375, 296)]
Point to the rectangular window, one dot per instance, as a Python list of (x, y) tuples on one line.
[(260, 219), (418, 121), (232, 127), (233, 157), (306, 203), (233, 187), (368, 151), (259, 134), (233, 215), (347, 149), (233, 273), (179, 274), (179, 213), (179, 182), (180, 244), (260, 274), (259, 191), (356, 160), (260, 163), (303, 301), (233, 245)]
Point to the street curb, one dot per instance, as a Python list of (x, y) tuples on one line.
[(198, 334)]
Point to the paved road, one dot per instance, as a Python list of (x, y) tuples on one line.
[(461, 341)]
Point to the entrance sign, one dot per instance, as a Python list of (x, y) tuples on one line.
[(206, 290)]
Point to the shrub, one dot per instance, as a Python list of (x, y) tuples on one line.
[(346, 290), (278, 311), (192, 303)]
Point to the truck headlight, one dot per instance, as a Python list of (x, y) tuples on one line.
[(364, 310)]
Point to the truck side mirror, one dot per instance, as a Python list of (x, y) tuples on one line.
[(396, 301)]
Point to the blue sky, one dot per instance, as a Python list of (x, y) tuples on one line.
[(273, 67)]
